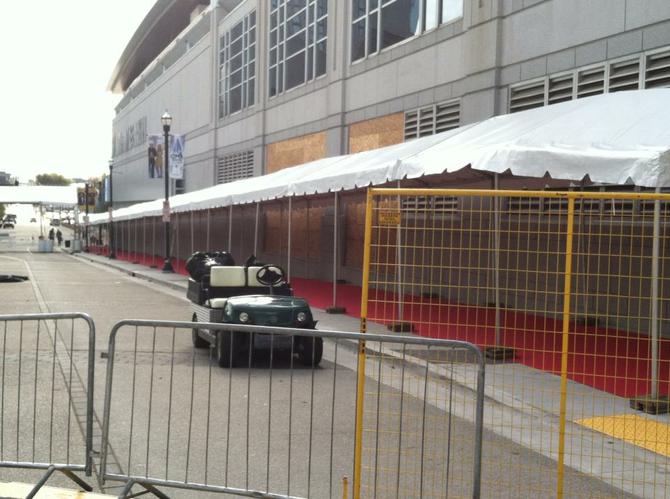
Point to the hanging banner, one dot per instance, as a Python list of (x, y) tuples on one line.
[(82, 201), (177, 156), (156, 156)]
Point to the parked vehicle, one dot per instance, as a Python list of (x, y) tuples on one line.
[(249, 294), (8, 222)]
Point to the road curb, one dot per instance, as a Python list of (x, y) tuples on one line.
[(173, 285)]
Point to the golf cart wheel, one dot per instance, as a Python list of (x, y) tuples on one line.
[(309, 350), (198, 342)]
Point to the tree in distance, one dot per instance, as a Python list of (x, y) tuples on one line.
[(51, 179)]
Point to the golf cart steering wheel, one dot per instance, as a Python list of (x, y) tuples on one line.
[(271, 275)]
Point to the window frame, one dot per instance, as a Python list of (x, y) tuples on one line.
[(248, 73), (378, 12), (278, 28)]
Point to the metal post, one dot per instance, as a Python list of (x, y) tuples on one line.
[(192, 236), (288, 257), (399, 270), (166, 119), (335, 249), (496, 256), (655, 296), (112, 249), (567, 286), (153, 243), (208, 224), (230, 229), (177, 224), (86, 216), (258, 213), (144, 240)]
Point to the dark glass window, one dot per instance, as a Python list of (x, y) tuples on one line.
[(400, 21), (379, 24), (237, 67), (298, 43)]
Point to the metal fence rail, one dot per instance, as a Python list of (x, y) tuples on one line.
[(568, 293), (46, 394), (276, 428)]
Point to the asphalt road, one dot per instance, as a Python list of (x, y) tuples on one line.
[(176, 416)]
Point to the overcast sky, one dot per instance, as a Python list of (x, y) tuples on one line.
[(57, 58)]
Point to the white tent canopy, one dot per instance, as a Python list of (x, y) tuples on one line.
[(613, 138), (39, 194)]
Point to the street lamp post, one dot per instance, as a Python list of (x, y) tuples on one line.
[(112, 253), (166, 120)]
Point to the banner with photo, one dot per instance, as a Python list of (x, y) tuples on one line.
[(156, 156)]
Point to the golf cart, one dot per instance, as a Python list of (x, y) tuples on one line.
[(256, 294)]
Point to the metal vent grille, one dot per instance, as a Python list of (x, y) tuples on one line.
[(435, 205), (560, 88), (235, 166), (432, 119), (411, 125), (657, 74), (526, 97), (426, 121), (625, 75), (591, 82), (447, 116)]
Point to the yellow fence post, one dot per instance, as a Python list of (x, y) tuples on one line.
[(360, 386), (565, 345)]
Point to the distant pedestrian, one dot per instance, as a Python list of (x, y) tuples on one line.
[(51, 234), (59, 236)]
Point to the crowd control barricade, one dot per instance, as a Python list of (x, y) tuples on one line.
[(46, 395), (568, 295), (273, 427)]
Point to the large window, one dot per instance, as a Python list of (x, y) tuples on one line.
[(237, 67), (298, 42), (378, 24)]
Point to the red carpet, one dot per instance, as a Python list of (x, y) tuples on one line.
[(608, 359)]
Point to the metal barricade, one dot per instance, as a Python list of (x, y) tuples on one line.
[(46, 394), (276, 428), (568, 294)]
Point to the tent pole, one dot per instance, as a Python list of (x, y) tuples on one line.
[(153, 240), (136, 245), (399, 270), (655, 296), (209, 214), (258, 213), (192, 235), (144, 240), (496, 255), (230, 229), (177, 237), (288, 266), (335, 249)]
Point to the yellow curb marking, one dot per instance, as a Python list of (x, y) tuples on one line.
[(637, 430)]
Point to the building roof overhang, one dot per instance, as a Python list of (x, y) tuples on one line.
[(165, 20)]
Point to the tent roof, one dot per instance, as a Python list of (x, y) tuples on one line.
[(39, 194), (613, 138)]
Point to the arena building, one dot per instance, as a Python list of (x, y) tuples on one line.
[(258, 86)]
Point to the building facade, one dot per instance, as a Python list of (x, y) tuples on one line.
[(260, 85)]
